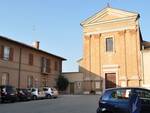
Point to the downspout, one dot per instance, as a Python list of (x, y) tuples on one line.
[(143, 64), (19, 72)]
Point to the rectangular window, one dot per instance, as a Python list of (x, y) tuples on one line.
[(31, 59), (1, 51), (56, 65), (5, 79), (46, 65), (6, 53), (97, 85), (30, 81), (109, 44)]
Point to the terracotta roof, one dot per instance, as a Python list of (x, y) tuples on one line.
[(28, 46), (146, 44)]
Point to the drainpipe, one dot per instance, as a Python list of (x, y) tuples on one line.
[(143, 64), (19, 71)]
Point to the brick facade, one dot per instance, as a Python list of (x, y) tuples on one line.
[(24, 66)]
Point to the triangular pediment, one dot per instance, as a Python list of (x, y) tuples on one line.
[(109, 14)]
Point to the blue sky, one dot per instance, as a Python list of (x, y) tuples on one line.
[(56, 23)]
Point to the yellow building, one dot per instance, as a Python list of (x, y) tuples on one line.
[(112, 45), (146, 64)]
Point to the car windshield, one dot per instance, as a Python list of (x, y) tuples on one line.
[(10, 89), (32, 90)]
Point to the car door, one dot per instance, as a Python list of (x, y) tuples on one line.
[(145, 99)]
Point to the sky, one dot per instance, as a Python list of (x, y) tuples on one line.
[(56, 23)]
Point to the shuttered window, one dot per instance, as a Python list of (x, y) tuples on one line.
[(48, 69), (6, 53), (31, 58), (5, 79), (11, 55), (56, 66), (29, 81), (46, 65), (1, 52)]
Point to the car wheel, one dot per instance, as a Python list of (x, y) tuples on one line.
[(34, 97), (2, 101), (12, 100), (49, 96), (107, 112)]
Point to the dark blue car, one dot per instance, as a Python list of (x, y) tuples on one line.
[(118, 100)]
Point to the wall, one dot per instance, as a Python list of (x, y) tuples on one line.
[(12, 67), (125, 60), (146, 62), (75, 79)]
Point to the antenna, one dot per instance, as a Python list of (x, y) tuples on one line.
[(108, 5), (33, 31)]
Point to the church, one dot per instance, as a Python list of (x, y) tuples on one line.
[(114, 52)]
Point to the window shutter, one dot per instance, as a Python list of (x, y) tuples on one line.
[(1, 51), (48, 66), (30, 59), (11, 54), (42, 64), (56, 65)]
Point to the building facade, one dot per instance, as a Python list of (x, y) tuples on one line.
[(112, 50), (75, 82), (146, 62), (25, 66)]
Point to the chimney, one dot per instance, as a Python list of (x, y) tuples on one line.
[(36, 44)]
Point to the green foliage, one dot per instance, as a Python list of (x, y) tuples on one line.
[(62, 83)]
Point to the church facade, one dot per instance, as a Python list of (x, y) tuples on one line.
[(112, 50)]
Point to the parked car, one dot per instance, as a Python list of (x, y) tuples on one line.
[(8, 93), (55, 92), (116, 100), (37, 93), (50, 92), (24, 94)]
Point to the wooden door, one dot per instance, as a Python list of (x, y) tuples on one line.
[(71, 88), (110, 80)]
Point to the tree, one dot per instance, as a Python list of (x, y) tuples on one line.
[(62, 83)]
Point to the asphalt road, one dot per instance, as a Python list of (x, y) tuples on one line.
[(63, 104)]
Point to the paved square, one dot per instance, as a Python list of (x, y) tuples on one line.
[(63, 104)]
